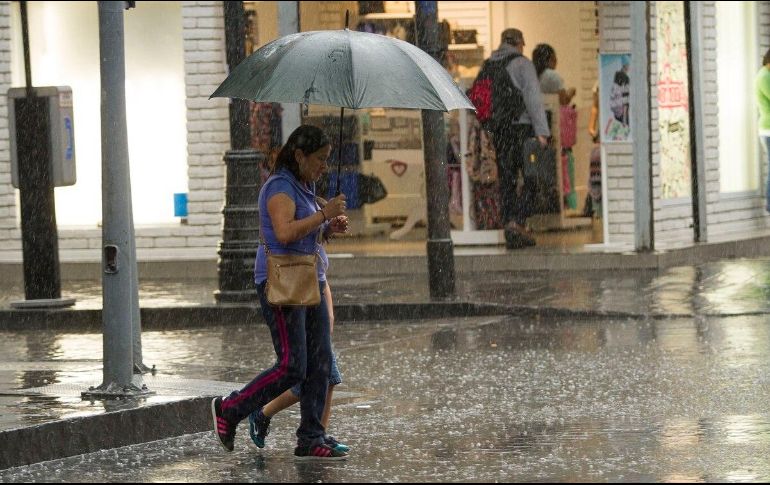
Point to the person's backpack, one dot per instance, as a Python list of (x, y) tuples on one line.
[(497, 100)]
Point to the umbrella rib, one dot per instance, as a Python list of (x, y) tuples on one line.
[(420, 70), (355, 102)]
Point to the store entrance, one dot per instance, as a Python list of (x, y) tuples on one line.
[(387, 143), (568, 210)]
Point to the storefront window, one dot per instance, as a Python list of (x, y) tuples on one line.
[(673, 101), (64, 50), (737, 64)]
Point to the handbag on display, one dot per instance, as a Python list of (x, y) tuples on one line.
[(292, 279), (371, 189), (568, 126), (482, 159)]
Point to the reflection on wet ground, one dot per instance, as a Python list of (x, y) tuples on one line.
[(717, 289), (477, 399)]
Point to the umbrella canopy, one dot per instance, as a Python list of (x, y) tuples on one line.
[(346, 69)]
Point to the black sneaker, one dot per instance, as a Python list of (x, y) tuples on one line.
[(318, 453), (259, 428), (223, 429)]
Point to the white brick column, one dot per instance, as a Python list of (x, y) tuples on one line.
[(615, 37), (208, 129), (10, 235)]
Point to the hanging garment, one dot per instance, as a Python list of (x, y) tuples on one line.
[(568, 126), (594, 196), (568, 178), (482, 173)]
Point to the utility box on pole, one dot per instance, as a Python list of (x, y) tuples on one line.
[(42, 146), (61, 123)]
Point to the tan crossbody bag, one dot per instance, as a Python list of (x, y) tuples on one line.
[(292, 279)]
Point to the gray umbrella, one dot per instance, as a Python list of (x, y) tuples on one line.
[(344, 68)]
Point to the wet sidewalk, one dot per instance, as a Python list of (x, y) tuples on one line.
[(672, 329), (724, 288), (469, 399)]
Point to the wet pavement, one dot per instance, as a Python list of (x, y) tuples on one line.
[(675, 391), (725, 288), (471, 399)]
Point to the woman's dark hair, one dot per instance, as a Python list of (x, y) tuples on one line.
[(541, 57), (766, 59), (307, 138)]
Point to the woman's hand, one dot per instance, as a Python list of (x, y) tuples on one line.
[(339, 225), (335, 207)]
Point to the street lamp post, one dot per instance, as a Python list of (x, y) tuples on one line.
[(441, 271), (240, 237)]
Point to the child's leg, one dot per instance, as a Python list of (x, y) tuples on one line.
[(285, 400), (327, 408)]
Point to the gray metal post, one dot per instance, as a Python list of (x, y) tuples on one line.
[(136, 316), (693, 24), (288, 23), (641, 128), (441, 265), (117, 264)]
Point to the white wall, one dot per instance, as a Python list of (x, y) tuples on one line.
[(730, 216), (64, 50), (197, 28)]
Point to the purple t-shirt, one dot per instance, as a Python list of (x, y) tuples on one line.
[(305, 201)]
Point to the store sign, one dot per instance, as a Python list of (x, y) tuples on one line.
[(673, 101)]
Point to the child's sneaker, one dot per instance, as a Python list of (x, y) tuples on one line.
[(318, 453), (332, 442), (224, 431), (259, 428)]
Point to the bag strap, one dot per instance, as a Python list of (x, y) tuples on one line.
[(319, 236), (318, 239)]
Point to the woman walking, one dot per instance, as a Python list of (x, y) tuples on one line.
[(291, 222)]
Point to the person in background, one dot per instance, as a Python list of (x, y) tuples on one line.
[(517, 194), (762, 84), (544, 59)]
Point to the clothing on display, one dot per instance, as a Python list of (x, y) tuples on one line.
[(568, 178), (266, 134), (483, 177), (594, 197)]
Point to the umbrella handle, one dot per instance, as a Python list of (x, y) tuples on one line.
[(342, 119), (339, 153)]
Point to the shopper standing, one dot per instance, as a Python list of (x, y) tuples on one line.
[(516, 193)]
